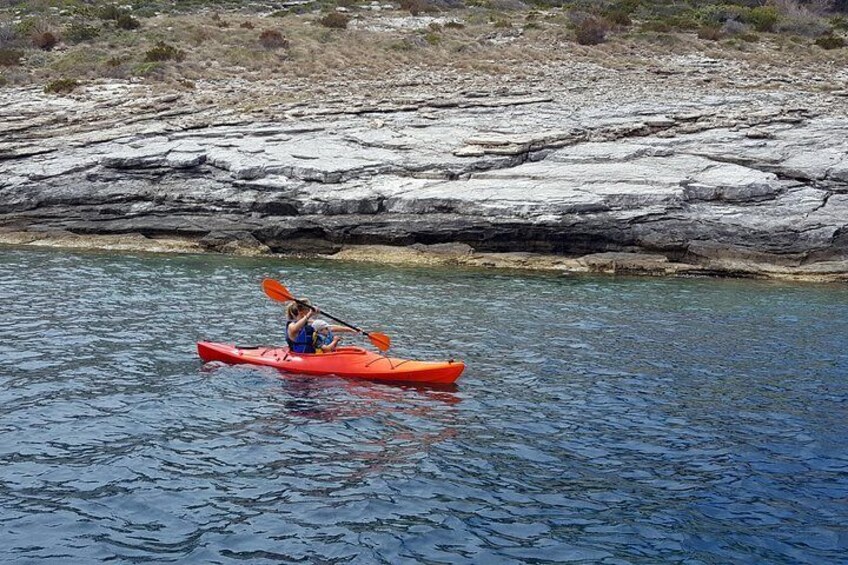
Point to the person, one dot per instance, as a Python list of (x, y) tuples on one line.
[(324, 341), (299, 331)]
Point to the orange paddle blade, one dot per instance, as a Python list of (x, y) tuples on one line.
[(380, 340), (276, 291)]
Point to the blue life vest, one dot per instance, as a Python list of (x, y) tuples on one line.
[(302, 343), (321, 341)]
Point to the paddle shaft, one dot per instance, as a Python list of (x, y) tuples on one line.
[(342, 322)]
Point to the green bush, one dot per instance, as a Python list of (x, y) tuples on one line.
[(713, 15), (61, 86), (163, 52), (618, 17), (763, 18), (296, 9), (10, 57), (27, 26), (432, 38), (79, 32), (334, 20), (148, 68), (830, 42), (126, 21), (109, 12), (804, 25)]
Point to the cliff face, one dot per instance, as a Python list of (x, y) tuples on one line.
[(751, 182)]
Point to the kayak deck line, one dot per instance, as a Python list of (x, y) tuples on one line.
[(346, 362)]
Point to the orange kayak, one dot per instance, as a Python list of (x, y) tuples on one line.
[(348, 362)]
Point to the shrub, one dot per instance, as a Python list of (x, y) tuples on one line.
[(749, 37), (432, 38), (732, 27), (416, 7), (296, 9), (656, 26), (273, 39), (591, 31), (148, 68), (502, 23), (247, 25), (109, 12), (163, 52), (334, 20), (763, 18), (219, 21), (713, 15), (710, 33), (505, 5), (61, 86), (454, 25), (10, 57), (8, 36), (44, 40), (618, 17), (78, 32), (126, 21), (830, 42), (804, 25), (29, 26)]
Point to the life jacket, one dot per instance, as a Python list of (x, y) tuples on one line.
[(303, 342), (319, 341)]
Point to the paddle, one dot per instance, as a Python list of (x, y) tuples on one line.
[(276, 291)]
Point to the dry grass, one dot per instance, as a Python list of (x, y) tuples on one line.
[(320, 55)]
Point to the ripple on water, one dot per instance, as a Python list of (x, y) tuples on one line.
[(600, 420)]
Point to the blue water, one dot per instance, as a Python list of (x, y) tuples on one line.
[(600, 420)]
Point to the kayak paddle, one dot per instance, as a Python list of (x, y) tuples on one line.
[(276, 291)]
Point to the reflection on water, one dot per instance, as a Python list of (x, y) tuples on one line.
[(600, 420)]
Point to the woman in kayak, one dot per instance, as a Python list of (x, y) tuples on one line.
[(299, 332)]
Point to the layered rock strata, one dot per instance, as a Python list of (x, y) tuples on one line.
[(739, 184)]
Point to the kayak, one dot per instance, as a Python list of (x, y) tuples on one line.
[(347, 362)]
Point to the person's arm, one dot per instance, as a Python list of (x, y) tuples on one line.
[(342, 330), (295, 327)]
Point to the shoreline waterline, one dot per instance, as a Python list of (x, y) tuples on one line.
[(452, 255)]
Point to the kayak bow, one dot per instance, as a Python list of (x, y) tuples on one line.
[(347, 362)]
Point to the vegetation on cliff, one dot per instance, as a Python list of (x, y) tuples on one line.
[(45, 40)]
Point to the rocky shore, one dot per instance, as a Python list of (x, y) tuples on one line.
[(681, 166)]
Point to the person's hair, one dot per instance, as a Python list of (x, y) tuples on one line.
[(293, 309)]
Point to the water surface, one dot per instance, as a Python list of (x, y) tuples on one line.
[(603, 420)]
